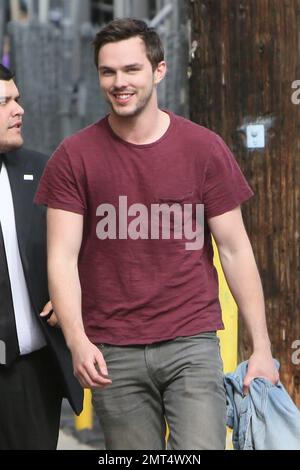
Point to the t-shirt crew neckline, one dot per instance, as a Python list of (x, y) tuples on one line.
[(141, 146)]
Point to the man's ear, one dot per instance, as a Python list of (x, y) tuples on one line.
[(160, 72)]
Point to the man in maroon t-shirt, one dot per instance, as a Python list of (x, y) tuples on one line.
[(132, 202)]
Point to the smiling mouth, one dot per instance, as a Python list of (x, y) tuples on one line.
[(122, 97)]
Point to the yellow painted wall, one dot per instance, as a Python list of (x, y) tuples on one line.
[(229, 336), (85, 419)]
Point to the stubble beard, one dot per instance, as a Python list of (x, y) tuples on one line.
[(139, 108)]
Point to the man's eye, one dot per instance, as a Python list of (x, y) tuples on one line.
[(107, 72)]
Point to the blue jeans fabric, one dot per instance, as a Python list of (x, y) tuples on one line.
[(178, 381), (264, 419)]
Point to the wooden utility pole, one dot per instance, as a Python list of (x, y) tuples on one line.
[(245, 56)]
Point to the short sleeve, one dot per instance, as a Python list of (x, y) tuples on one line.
[(225, 186), (61, 185)]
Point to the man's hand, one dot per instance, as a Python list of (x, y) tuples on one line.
[(261, 364), (52, 319), (89, 364)]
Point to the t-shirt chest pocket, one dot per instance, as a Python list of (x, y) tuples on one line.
[(181, 198), (175, 210)]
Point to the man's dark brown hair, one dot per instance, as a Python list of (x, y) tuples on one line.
[(126, 28)]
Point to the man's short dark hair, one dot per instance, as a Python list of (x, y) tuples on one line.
[(5, 73), (126, 28)]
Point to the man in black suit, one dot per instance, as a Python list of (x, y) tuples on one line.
[(35, 364)]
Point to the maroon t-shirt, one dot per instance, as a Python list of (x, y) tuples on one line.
[(139, 290)]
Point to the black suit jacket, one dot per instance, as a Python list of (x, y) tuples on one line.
[(31, 233)]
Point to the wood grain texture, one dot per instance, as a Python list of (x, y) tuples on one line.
[(247, 56)]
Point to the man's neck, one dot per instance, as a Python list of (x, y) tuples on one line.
[(143, 129)]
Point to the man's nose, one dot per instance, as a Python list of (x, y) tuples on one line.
[(120, 80), (18, 111)]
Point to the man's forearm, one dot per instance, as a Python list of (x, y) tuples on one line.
[(244, 282), (88, 363), (65, 294)]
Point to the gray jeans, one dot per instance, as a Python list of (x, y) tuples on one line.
[(179, 382)]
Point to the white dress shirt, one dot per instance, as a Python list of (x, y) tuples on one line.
[(30, 336)]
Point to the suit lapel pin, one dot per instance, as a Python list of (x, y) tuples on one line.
[(28, 177)]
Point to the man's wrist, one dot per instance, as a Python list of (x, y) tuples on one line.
[(262, 346), (75, 337)]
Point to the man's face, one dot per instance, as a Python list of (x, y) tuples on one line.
[(10, 117), (126, 76)]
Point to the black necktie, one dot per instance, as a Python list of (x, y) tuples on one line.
[(9, 346)]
